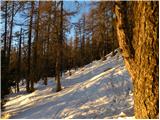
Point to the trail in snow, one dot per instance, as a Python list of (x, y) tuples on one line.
[(101, 89)]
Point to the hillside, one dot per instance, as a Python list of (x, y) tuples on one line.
[(101, 89)]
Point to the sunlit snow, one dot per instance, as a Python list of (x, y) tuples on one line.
[(101, 89)]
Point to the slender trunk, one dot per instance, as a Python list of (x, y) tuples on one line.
[(70, 69), (137, 31), (5, 36), (29, 51), (10, 38), (32, 80), (103, 47), (59, 52), (15, 88), (36, 55), (58, 72), (113, 36), (48, 37), (45, 80), (4, 58), (19, 61), (61, 41), (17, 85)]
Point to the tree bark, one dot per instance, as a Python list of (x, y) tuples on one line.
[(19, 61), (10, 38), (48, 42), (58, 72), (36, 44), (137, 30), (59, 52), (29, 51), (5, 35)]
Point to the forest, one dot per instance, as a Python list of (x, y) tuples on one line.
[(55, 49)]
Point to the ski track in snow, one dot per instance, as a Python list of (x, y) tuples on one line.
[(101, 89)]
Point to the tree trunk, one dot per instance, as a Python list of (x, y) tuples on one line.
[(137, 30), (61, 40), (36, 44), (58, 72), (5, 35), (48, 43), (19, 61), (29, 51), (59, 52), (10, 38), (45, 80), (4, 59), (17, 85)]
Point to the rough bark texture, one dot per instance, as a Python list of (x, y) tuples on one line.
[(137, 30)]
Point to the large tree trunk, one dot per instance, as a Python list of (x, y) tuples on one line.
[(137, 30)]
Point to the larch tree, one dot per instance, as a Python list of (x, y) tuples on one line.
[(48, 41), (137, 32), (4, 81), (76, 51), (19, 61), (70, 56), (59, 52), (36, 43), (10, 37), (5, 33), (29, 80)]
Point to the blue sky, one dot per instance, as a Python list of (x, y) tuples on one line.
[(70, 5)]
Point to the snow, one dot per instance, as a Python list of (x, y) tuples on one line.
[(101, 89)]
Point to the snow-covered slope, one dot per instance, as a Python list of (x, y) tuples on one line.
[(101, 89)]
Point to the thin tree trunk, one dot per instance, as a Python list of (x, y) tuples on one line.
[(29, 51), (4, 66), (48, 37), (36, 55), (17, 85), (10, 38), (137, 30), (58, 72), (5, 36), (59, 52), (113, 35), (19, 61)]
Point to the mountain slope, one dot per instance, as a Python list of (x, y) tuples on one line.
[(101, 89)]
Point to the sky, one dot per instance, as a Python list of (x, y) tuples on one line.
[(71, 5)]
